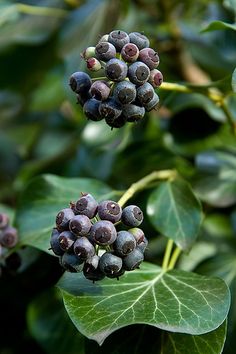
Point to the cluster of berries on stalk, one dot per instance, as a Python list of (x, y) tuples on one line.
[(86, 238), (8, 240), (130, 76)]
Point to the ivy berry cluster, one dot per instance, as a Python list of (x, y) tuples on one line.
[(130, 76), (86, 238), (8, 240)]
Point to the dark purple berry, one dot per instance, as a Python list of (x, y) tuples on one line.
[(149, 57), (138, 73), (116, 122), (86, 205), (118, 39), (91, 109), (55, 243), (105, 51), (145, 93), (132, 215), (71, 263), (153, 103), (4, 220), (63, 219), (80, 225), (133, 113), (116, 275), (9, 237), (110, 264), (66, 240), (133, 260), (143, 245), (83, 248), (124, 92), (124, 243), (103, 232), (138, 234), (139, 39), (110, 108), (155, 78), (109, 210), (100, 90), (91, 270), (80, 82), (130, 52), (82, 98), (116, 70)]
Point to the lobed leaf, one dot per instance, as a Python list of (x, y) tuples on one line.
[(175, 301)]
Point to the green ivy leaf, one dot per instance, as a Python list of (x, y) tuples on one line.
[(50, 326), (174, 210), (175, 301), (234, 81), (43, 198), (212, 343), (219, 25)]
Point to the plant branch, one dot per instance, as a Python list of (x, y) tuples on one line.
[(167, 254), (174, 258), (142, 183)]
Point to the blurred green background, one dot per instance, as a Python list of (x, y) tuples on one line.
[(42, 130)]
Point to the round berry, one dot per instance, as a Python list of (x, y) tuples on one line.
[(130, 52), (93, 64), (116, 275), (55, 243), (116, 122), (91, 270), (71, 263), (116, 70), (110, 264), (86, 205), (80, 82), (83, 248), (109, 210), (155, 78), (138, 234), (133, 113), (103, 232), (9, 237), (145, 93), (83, 97), (63, 219), (110, 108), (139, 39), (104, 38), (132, 215), (153, 103), (149, 57), (133, 259), (118, 39), (124, 243), (91, 109), (100, 90), (80, 225), (124, 92), (138, 73), (66, 240), (88, 53), (105, 51), (4, 220), (143, 245)]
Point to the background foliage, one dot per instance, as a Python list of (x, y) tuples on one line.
[(43, 131)]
